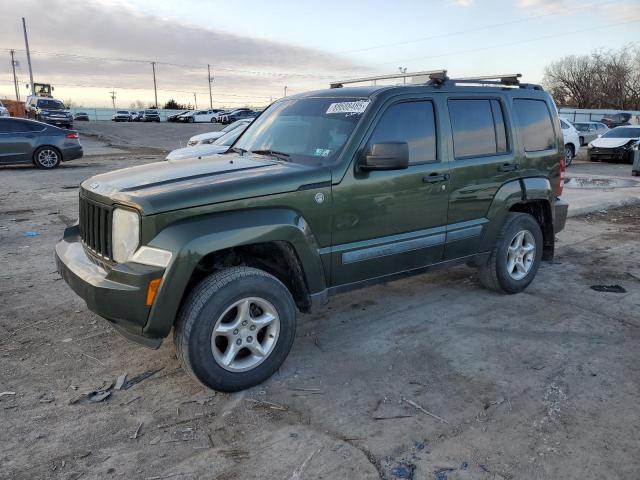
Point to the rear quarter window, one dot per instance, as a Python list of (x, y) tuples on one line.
[(536, 126)]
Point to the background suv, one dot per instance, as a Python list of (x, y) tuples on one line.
[(49, 110)]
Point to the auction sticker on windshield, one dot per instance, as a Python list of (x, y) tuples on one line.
[(348, 107)]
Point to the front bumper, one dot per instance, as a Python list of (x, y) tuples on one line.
[(560, 215), (118, 295), (58, 121), (618, 154)]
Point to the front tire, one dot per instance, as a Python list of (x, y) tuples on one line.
[(46, 158), (515, 260), (235, 328)]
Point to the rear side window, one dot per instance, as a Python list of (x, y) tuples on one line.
[(411, 122), (478, 127), (535, 124)]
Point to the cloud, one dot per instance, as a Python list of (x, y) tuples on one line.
[(114, 29), (462, 3)]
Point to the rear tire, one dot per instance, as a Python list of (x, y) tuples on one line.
[(46, 158), (509, 269), (581, 141), (228, 312), (568, 155)]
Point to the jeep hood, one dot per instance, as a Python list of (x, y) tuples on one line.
[(196, 151), (164, 186)]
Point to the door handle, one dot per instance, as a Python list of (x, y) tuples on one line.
[(508, 167), (436, 178)]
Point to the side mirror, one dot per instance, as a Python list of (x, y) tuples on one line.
[(386, 156)]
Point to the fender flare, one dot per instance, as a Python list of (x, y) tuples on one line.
[(192, 239)]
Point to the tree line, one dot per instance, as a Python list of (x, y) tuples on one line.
[(603, 79)]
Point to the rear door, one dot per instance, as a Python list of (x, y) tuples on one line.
[(392, 221), (16, 140), (482, 160)]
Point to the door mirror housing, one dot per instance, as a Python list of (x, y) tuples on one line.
[(386, 156)]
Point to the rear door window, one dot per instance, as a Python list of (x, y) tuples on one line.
[(411, 122), (478, 127), (535, 122)]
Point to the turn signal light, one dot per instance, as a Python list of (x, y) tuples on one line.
[(563, 170), (152, 290)]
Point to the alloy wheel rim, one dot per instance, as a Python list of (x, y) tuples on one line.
[(521, 254), (47, 158), (245, 334)]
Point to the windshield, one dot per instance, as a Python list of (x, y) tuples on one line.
[(622, 133), (51, 104), (306, 129), (123, 111), (228, 138)]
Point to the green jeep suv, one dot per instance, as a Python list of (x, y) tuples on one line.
[(324, 192)]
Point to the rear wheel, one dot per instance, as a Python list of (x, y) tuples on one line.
[(581, 141), (515, 260), (568, 155), (235, 328), (46, 158)]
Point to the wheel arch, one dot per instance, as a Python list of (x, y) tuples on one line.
[(278, 241)]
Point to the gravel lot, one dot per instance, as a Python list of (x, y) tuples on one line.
[(539, 385), (163, 136)]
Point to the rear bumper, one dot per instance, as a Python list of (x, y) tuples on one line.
[(72, 153), (118, 295), (560, 215)]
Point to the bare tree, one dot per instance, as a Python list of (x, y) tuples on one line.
[(602, 79)]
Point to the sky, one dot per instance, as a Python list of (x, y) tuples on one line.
[(88, 48)]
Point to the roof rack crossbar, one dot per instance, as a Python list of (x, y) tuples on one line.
[(432, 74), (504, 79)]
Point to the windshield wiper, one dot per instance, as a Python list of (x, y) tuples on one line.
[(273, 153), (239, 150)]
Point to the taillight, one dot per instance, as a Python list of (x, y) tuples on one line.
[(563, 170), (72, 135)]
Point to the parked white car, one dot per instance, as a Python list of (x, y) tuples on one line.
[(211, 137), (221, 145), (618, 144), (199, 116), (4, 112), (571, 141)]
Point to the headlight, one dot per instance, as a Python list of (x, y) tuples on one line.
[(125, 234), (208, 140)]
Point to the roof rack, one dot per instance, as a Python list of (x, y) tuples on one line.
[(434, 75), (504, 79)]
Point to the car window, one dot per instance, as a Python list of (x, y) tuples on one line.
[(411, 122), (535, 124), (478, 127), (564, 124), (19, 126)]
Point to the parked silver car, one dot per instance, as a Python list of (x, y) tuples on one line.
[(589, 131)]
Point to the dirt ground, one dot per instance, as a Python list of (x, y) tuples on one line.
[(431, 377)]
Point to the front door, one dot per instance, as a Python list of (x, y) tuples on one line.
[(392, 221)]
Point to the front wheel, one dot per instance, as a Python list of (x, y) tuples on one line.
[(190, 120), (46, 158), (235, 328), (515, 260)]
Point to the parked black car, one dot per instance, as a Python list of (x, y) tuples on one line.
[(237, 115), (174, 118), (28, 141), (81, 117), (49, 110), (150, 116), (616, 120)]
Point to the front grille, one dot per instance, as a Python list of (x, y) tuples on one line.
[(95, 227)]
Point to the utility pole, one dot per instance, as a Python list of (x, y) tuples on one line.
[(113, 99), (210, 81), (195, 100), (15, 79), (155, 90), (26, 44), (285, 90)]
